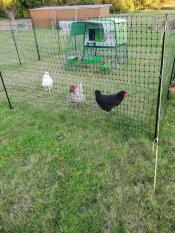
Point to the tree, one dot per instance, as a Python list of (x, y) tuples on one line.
[(6, 3), (11, 12), (142, 4), (22, 6), (123, 5)]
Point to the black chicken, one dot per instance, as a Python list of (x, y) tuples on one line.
[(107, 102)]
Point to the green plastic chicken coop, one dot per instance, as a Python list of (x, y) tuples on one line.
[(104, 42)]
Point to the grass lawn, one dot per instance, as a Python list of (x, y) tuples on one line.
[(65, 172)]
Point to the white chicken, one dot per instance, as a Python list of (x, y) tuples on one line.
[(76, 94), (47, 81)]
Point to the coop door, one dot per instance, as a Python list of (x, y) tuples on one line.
[(96, 35), (91, 34)]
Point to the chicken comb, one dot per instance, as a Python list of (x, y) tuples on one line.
[(72, 88)]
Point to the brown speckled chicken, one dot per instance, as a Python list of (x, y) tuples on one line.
[(76, 94), (172, 88)]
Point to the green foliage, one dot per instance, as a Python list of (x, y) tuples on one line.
[(142, 4), (123, 5), (22, 6), (137, 4)]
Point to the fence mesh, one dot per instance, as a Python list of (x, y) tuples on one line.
[(106, 54)]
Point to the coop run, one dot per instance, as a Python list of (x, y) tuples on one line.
[(132, 53), (104, 42)]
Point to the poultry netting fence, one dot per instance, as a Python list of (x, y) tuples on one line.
[(131, 53)]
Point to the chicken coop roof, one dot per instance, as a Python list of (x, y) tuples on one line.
[(74, 7), (108, 24)]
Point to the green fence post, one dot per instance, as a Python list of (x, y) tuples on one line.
[(35, 38), (14, 40), (159, 100)]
